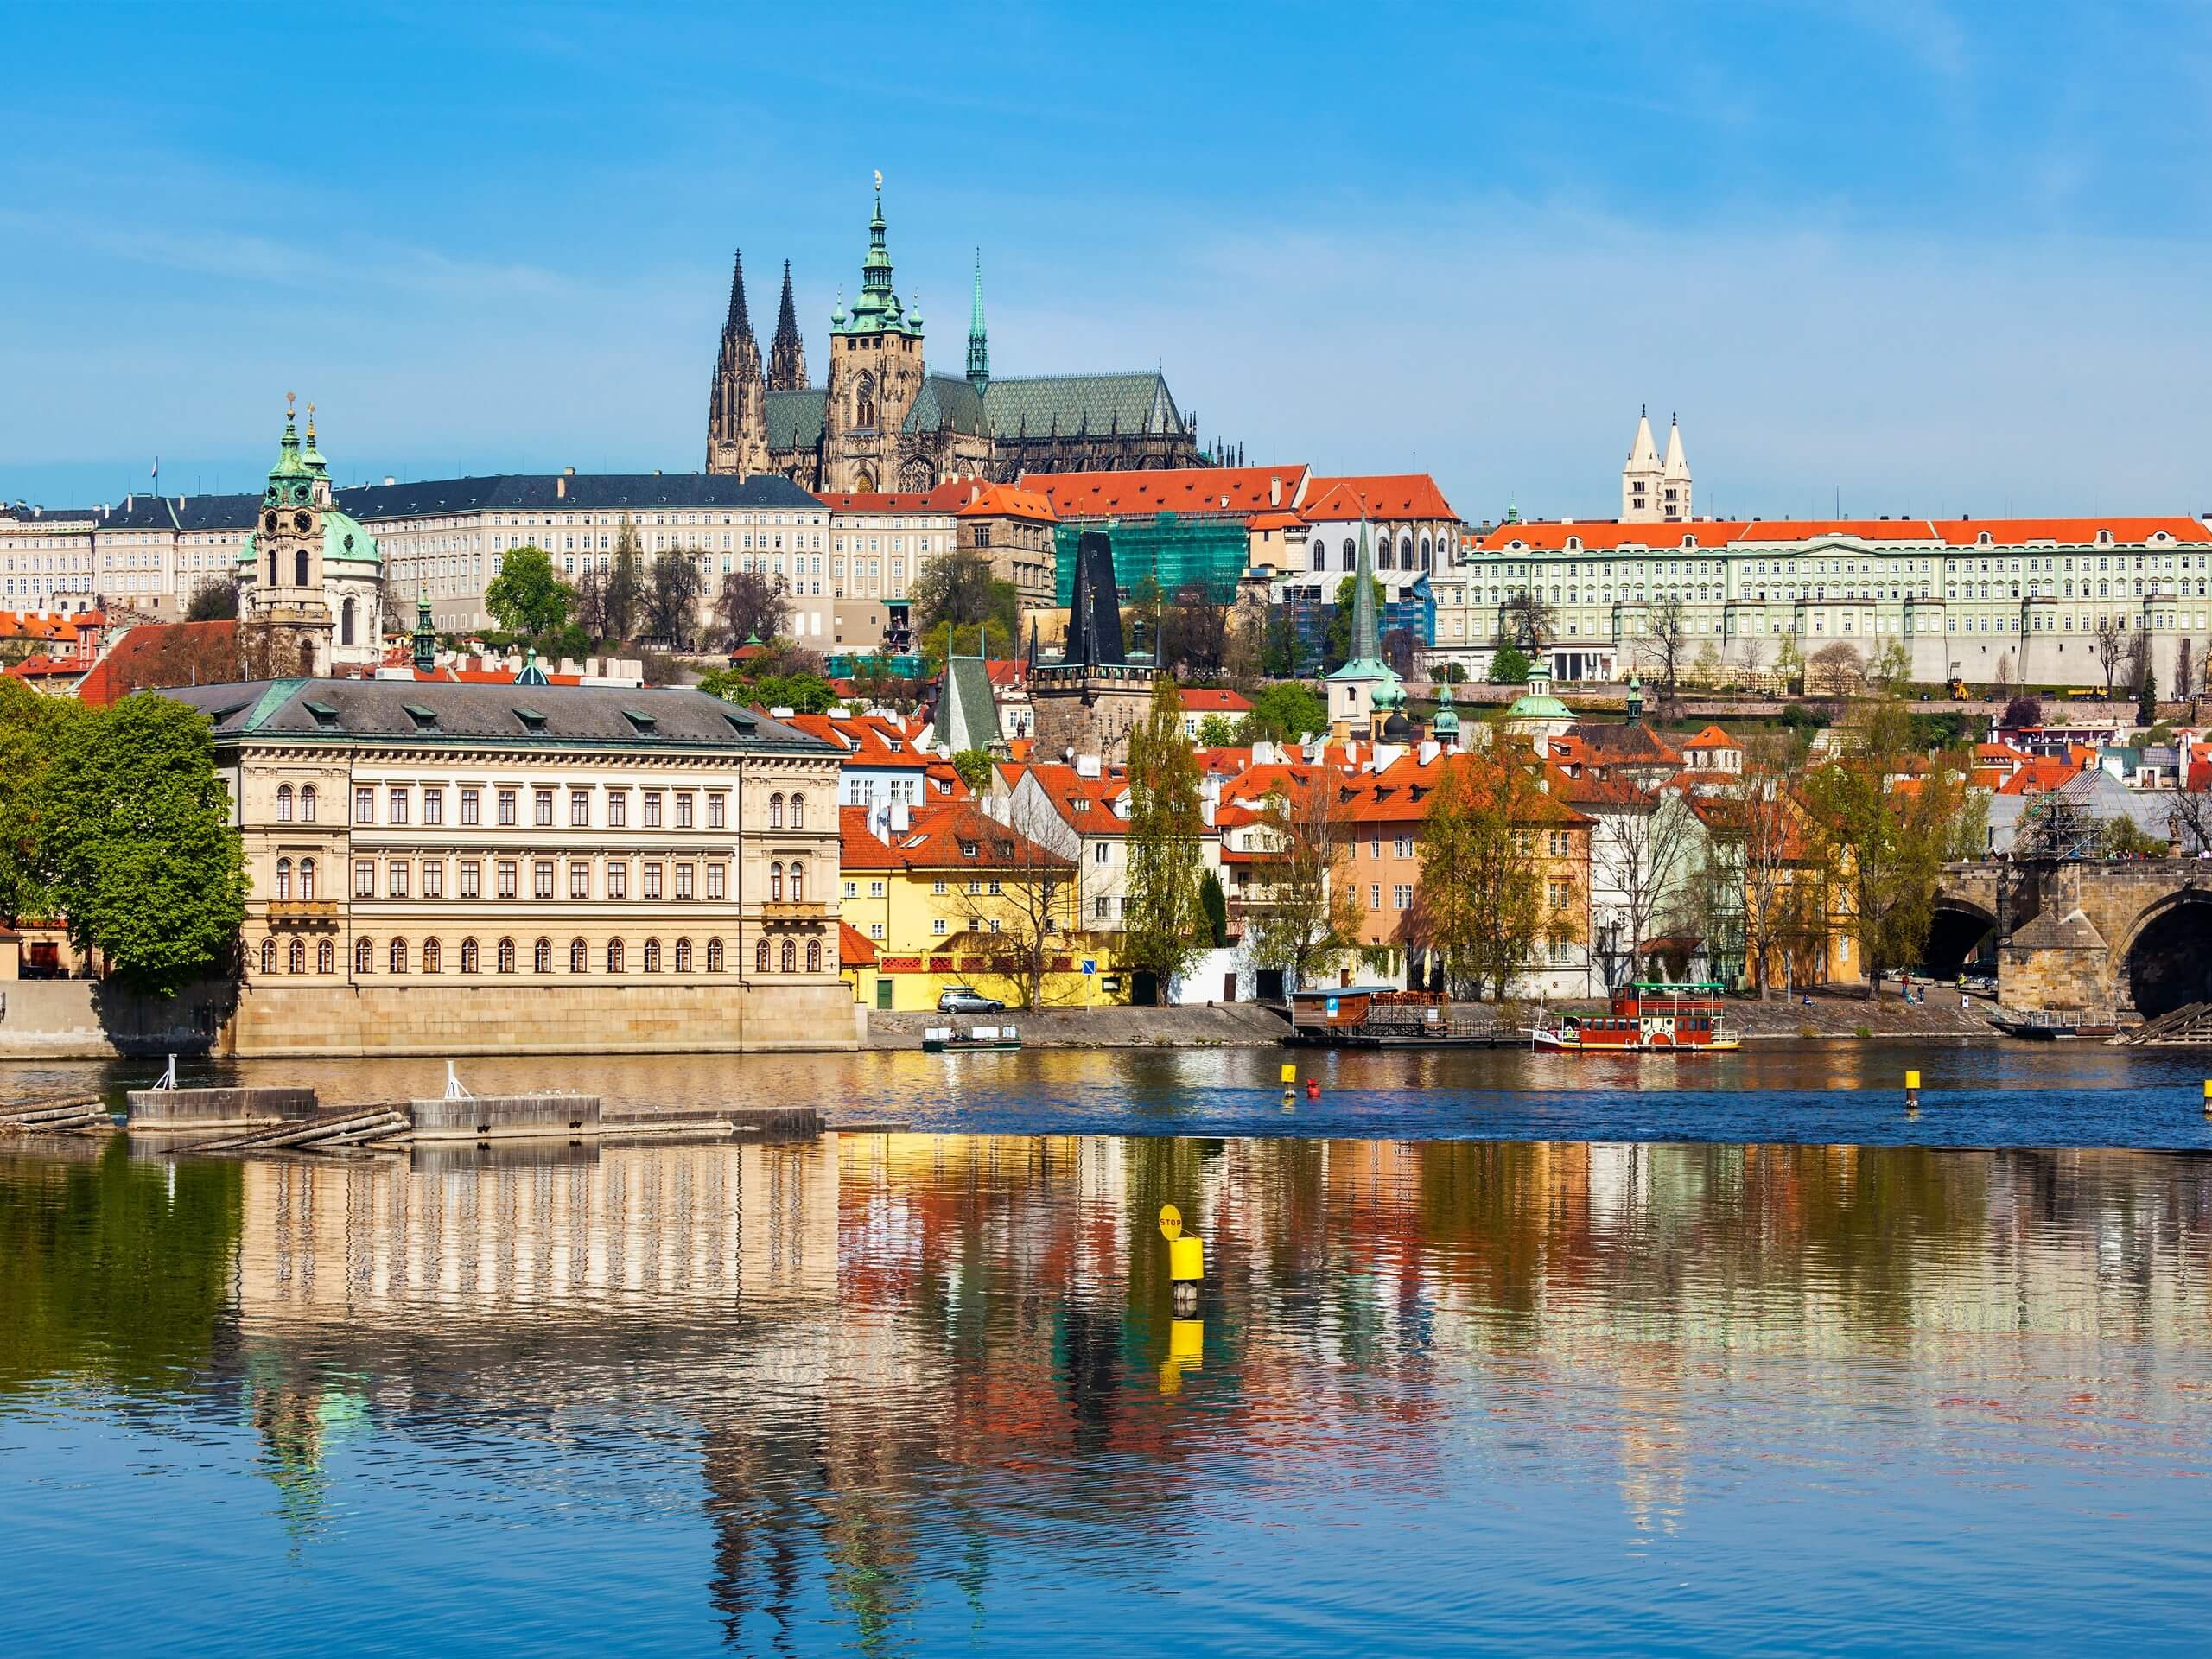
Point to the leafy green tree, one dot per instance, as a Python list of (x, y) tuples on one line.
[(30, 730), (973, 766), (1508, 666), (215, 599), (1216, 908), (147, 866), (526, 597), (1216, 731), (806, 693), (959, 587), (1284, 711), (1165, 926), (625, 582)]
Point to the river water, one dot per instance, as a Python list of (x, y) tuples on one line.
[(1493, 1355)]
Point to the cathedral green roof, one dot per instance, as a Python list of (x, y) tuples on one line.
[(1038, 405), (947, 400), (794, 418), (1539, 707)]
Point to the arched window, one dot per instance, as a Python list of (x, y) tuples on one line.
[(790, 955), (760, 957), (268, 956), (1320, 556), (652, 956), (365, 956), (346, 624), (713, 956), (506, 955), (283, 803), (813, 956), (864, 402), (776, 883), (579, 956), (615, 955), (799, 881), (306, 878), (1406, 552), (1424, 565), (1383, 559), (430, 963), (683, 956), (306, 803), (298, 956), (284, 878), (398, 955), (776, 811), (798, 811), (1351, 554), (470, 962), (272, 567), (326, 957), (541, 958), (300, 568)]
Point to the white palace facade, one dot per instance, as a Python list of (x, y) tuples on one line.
[(2023, 599)]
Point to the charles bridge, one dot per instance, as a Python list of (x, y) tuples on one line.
[(2086, 934)]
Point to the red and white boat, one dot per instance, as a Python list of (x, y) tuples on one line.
[(1646, 1018)]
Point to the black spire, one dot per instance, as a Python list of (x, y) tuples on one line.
[(787, 352), (1095, 612), (738, 323)]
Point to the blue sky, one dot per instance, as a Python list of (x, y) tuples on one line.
[(1930, 258)]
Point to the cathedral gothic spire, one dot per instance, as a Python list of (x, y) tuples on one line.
[(737, 422), (979, 344), (787, 351)]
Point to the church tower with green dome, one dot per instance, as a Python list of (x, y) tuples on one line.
[(309, 575), (875, 374), (1365, 693)]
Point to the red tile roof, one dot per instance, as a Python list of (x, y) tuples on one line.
[(1605, 534), (154, 655), (1214, 700), (46, 625), (1190, 490), (1712, 738), (1866, 530), (2012, 532), (1084, 802), (947, 497), (1382, 497)]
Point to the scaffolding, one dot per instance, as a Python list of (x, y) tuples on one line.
[(1175, 552)]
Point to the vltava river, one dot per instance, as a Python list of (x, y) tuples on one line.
[(893, 1393)]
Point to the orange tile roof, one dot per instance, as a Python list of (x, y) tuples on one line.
[(934, 838), (1084, 802), (162, 654), (1604, 535), (38, 625), (1712, 738), (1381, 497), (2012, 533), (1186, 490), (854, 948), (1274, 519), (1866, 530), (1005, 501)]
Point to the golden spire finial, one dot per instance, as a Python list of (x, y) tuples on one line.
[(310, 420), (288, 404)]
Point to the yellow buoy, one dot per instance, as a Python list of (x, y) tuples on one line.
[(1186, 1259)]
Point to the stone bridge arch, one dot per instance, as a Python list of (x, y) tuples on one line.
[(2132, 935), (2164, 960)]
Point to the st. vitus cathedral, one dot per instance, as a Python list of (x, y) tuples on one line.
[(884, 422)]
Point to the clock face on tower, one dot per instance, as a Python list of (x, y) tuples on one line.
[(268, 521), (303, 522)]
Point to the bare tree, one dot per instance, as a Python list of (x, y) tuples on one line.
[(672, 599), (1194, 632), (1305, 915), (1835, 670), (1013, 904), (1527, 620), (750, 607), (591, 601), (1641, 848), (624, 591), (1752, 885), (1662, 645), (2111, 647)]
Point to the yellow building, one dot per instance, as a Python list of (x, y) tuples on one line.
[(948, 896)]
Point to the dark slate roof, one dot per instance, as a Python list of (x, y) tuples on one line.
[(583, 493), (572, 714), (794, 418), (1038, 405), (24, 513), (946, 400), (184, 512)]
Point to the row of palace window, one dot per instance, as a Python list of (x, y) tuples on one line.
[(786, 881), (768, 956), (399, 807)]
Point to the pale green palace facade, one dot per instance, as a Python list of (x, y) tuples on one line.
[(1983, 600)]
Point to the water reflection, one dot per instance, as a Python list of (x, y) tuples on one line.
[(921, 1388)]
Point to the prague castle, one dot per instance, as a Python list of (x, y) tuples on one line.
[(882, 420)]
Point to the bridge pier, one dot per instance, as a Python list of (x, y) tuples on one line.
[(2130, 935)]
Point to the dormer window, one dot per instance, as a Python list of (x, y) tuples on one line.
[(426, 719), (967, 849), (533, 720), (326, 717), (641, 722)]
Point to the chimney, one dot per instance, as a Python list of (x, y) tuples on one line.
[(1428, 751), (561, 488), (388, 479), (1086, 766), (1263, 753), (1275, 490), (901, 818)]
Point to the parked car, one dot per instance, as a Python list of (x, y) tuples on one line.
[(958, 999)]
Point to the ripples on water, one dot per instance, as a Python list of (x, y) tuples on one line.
[(903, 1393)]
